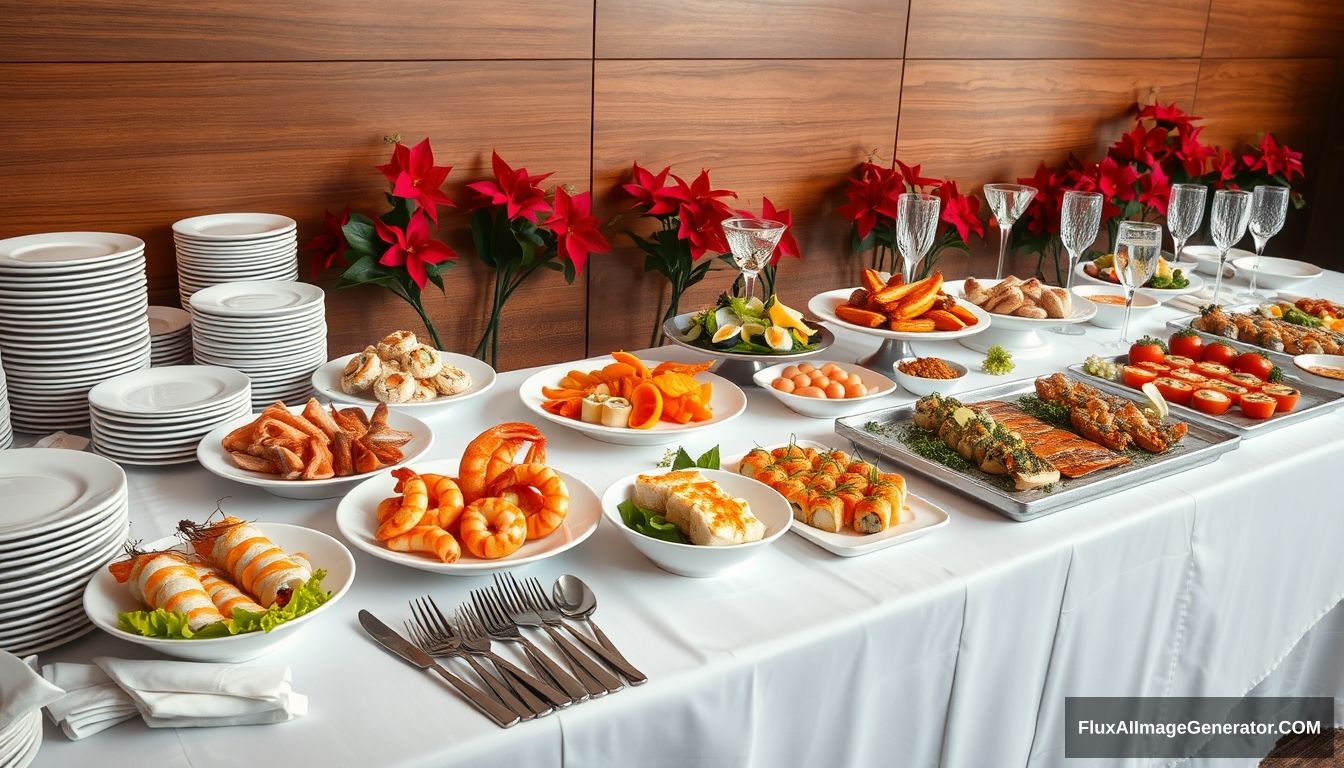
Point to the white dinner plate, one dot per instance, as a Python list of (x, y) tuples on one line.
[(823, 306), (174, 390), (126, 349), (1161, 294), (276, 348), (268, 268), (152, 431), (111, 526), (217, 461), (233, 227), (113, 336), (164, 321), (31, 741), (299, 317), (256, 299), (49, 489), (68, 314), (356, 517), (94, 519), (237, 246), (79, 631), (103, 283), (727, 403), (105, 598), (31, 323), (74, 569), (132, 292), (63, 250), (327, 382), (920, 517)]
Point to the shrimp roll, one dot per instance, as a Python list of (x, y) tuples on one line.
[(252, 561), (223, 593), (166, 580)]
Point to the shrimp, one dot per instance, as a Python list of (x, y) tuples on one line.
[(445, 500), (429, 539), (414, 504), (386, 507), (493, 528), (493, 451), (554, 496)]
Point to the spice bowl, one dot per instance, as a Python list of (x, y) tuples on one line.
[(921, 386), (878, 386)]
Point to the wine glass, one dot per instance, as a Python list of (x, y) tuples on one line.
[(1227, 225), (752, 241), (1008, 202), (1138, 248), (1079, 219), (916, 226), (1269, 207), (1185, 212)]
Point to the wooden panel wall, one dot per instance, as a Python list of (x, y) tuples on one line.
[(128, 115)]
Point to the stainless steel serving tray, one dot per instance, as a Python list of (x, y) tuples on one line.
[(1313, 402), (1202, 445), (1281, 359)]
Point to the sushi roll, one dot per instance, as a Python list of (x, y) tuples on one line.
[(167, 580)]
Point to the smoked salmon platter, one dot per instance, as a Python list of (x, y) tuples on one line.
[(1031, 447)]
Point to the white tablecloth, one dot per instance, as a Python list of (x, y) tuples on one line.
[(956, 649)]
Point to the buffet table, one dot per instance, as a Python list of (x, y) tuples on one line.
[(956, 649)]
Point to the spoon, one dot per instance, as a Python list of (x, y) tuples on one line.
[(576, 601)]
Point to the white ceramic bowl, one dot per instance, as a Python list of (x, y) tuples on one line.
[(104, 598), (1305, 361), (1204, 259), (327, 382), (1113, 315), (699, 562), (824, 408), (728, 402), (920, 386), (823, 305), (356, 519), (1278, 273), (217, 461), (1161, 294)]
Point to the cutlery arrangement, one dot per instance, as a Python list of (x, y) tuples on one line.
[(505, 613)]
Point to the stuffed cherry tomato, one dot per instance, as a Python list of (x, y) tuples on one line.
[(1158, 368), (1285, 397), (1175, 362), (1228, 388), (1257, 405), (1245, 380), (1136, 376), (1146, 350), (1212, 370), (1189, 377), (1210, 401), (1254, 363), (1175, 390), (1218, 352), (1186, 343)]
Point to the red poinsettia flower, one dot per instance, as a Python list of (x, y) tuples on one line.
[(1140, 145), (912, 177), (701, 225), (1192, 153), (512, 188), (1116, 181), (1170, 116), (872, 195), (787, 245), (324, 248), (1155, 189), (1274, 158), (1224, 168), (576, 228), (644, 185), (698, 191), (414, 176), (412, 247), (1043, 211), (960, 211)]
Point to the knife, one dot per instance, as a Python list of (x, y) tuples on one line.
[(389, 639)]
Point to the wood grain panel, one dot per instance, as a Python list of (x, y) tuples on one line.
[(750, 29), (983, 121), (790, 130), (133, 147), (993, 29), (1251, 28), (243, 30)]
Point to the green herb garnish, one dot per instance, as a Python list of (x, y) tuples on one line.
[(649, 523), (998, 361), (1053, 414)]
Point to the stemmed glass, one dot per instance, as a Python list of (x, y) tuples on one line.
[(1079, 219), (1227, 225), (1008, 202), (1269, 207), (1138, 247), (752, 241), (916, 226), (1185, 212)]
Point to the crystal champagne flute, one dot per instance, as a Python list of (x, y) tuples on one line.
[(1269, 207), (1185, 212), (1079, 220), (1138, 247), (752, 241), (1008, 202), (1227, 225), (916, 226)]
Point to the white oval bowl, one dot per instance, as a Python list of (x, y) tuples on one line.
[(826, 408), (1278, 273), (1113, 315), (1303, 361), (917, 385)]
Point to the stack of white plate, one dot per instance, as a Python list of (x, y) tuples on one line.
[(21, 740), (169, 336), (66, 515), (72, 313), (6, 430), (275, 332), (232, 247), (159, 415)]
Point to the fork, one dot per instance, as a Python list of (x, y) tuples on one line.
[(432, 639), (524, 613), (475, 641), (500, 627), (550, 613)]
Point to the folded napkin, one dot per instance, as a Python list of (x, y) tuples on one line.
[(184, 694), (92, 702), (22, 690)]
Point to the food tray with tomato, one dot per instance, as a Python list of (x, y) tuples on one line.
[(1217, 399), (1283, 359), (880, 431)]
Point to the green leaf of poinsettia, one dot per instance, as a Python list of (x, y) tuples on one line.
[(361, 236)]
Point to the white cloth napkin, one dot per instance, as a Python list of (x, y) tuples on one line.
[(92, 702), (22, 690), (184, 694)]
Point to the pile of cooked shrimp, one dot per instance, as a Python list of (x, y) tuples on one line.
[(492, 506)]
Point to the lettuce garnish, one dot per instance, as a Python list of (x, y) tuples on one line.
[(169, 625)]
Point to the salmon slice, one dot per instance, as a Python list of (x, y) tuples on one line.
[(1072, 455)]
